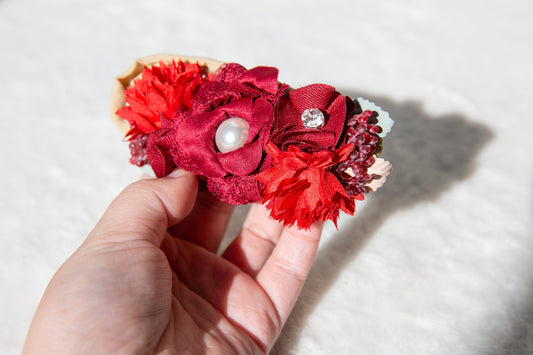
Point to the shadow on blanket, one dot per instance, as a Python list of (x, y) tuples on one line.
[(428, 155)]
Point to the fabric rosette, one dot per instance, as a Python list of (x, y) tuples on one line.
[(229, 175), (289, 129)]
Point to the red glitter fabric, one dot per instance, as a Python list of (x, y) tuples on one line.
[(300, 189), (289, 130), (161, 91)]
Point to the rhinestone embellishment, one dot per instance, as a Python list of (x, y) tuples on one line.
[(313, 118)]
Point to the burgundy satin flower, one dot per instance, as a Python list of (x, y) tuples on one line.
[(229, 175), (188, 141), (289, 129)]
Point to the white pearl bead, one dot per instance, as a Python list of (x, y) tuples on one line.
[(231, 134)]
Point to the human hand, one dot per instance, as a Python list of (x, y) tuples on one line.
[(148, 280)]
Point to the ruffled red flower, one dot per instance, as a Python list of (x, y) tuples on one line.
[(288, 129), (161, 91), (300, 189)]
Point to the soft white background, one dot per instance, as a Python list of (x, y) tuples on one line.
[(437, 262)]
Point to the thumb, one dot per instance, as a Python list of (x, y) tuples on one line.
[(146, 208)]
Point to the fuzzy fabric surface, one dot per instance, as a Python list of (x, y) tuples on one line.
[(438, 261)]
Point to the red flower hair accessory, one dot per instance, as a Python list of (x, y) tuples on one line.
[(306, 153)]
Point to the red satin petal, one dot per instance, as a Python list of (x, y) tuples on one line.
[(159, 157), (265, 78), (313, 96), (196, 137), (286, 116), (336, 118), (261, 119), (239, 108), (242, 161)]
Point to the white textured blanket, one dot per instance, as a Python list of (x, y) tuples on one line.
[(440, 261)]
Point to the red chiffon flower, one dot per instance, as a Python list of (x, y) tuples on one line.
[(289, 130), (161, 91), (300, 189), (229, 175)]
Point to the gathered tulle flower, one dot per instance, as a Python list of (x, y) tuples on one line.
[(161, 91), (301, 189), (289, 129)]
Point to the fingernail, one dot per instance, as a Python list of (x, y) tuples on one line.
[(177, 173)]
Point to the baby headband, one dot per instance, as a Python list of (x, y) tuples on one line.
[(305, 153)]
